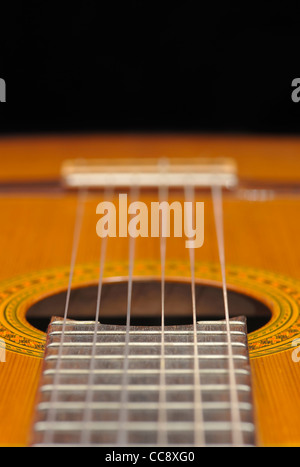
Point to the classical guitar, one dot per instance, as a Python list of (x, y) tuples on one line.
[(124, 325)]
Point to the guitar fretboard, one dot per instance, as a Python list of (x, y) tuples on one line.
[(101, 388)]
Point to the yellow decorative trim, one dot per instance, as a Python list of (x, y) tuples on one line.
[(281, 294)]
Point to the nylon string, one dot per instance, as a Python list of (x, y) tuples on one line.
[(235, 413), (162, 416), (123, 414), (81, 199), (87, 415), (199, 437)]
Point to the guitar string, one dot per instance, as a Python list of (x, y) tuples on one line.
[(217, 202), (199, 436), (237, 436), (123, 414), (87, 415), (81, 199), (162, 437)]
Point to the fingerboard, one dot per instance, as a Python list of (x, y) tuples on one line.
[(84, 398)]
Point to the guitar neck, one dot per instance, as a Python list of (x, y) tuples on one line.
[(113, 385)]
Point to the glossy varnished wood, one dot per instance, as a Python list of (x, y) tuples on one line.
[(39, 158), (36, 232)]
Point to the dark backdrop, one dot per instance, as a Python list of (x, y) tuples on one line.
[(149, 66)]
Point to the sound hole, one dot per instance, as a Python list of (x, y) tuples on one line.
[(146, 305)]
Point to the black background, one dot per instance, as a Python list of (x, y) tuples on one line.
[(149, 66)]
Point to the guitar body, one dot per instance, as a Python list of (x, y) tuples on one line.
[(261, 228)]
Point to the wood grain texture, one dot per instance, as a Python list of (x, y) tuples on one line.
[(36, 232), (258, 157), (18, 385)]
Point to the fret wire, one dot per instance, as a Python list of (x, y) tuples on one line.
[(235, 322), (141, 426), (134, 445), (107, 405), (143, 371), (219, 224), (142, 357), (145, 387), (144, 344), (134, 333), (81, 199)]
